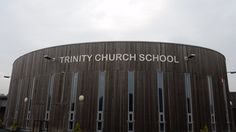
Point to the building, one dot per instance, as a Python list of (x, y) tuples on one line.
[(121, 86), (233, 106), (3, 104)]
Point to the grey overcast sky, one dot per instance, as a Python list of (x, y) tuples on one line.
[(27, 25)]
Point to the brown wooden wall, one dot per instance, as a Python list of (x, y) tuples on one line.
[(33, 65)]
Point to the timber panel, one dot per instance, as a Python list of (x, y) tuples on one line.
[(33, 65)]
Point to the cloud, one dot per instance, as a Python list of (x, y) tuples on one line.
[(28, 25), (124, 15)]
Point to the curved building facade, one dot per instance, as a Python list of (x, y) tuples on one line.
[(120, 86)]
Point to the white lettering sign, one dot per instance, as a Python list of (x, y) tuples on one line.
[(119, 57)]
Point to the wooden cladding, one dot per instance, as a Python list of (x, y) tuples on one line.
[(156, 93)]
